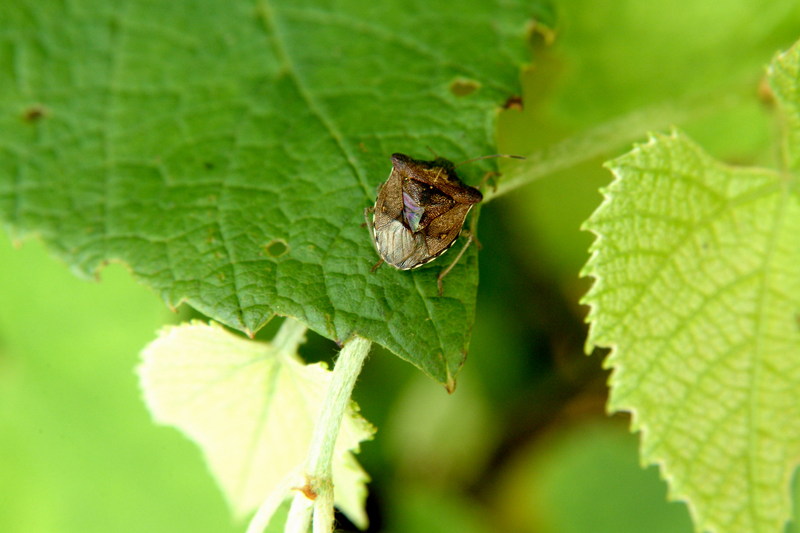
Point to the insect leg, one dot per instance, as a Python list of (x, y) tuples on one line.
[(376, 265), (367, 222), (447, 270), (491, 175)]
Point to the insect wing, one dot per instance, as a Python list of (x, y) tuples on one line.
[(422, 203), (445, 229), (412, 212), (396, 243), (399, 246), (389, 204)]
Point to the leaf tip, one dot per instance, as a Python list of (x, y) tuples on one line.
[(450, 382)]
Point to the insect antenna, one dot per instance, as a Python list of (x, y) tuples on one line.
[(489, 157)]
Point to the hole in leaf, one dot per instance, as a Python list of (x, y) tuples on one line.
[(464, 87), (514, 102), (277, 247), (541, 33)]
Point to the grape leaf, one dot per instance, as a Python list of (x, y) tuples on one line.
[(251, 407), (226, 151), (697, 293)]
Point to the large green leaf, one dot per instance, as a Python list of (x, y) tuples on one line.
[(226, 150), (697, 292)]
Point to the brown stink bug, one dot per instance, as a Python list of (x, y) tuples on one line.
[(419, 212)]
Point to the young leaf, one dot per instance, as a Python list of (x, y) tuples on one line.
[(251, 407), (697, 293), (226, 150)]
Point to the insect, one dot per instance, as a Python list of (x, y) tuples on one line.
[(419, 212)]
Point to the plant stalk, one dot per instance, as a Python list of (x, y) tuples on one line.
[(609, 136), (319, 489)]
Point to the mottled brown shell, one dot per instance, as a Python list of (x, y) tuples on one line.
[(420, 211)]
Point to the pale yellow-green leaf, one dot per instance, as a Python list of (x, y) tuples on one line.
[(697, 293), (251, 407)]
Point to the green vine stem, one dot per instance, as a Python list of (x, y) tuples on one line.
[(313, 489), (606, 137), (319, 463)]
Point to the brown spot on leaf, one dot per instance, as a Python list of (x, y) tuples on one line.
[(765, 94), (514, 102), (34, 113), (464, 87)]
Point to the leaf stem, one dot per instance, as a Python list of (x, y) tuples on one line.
[(319, 462)]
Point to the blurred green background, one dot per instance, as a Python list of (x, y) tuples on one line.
[(524, 445)]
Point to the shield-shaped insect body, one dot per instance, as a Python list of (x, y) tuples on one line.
[(420, 211)]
